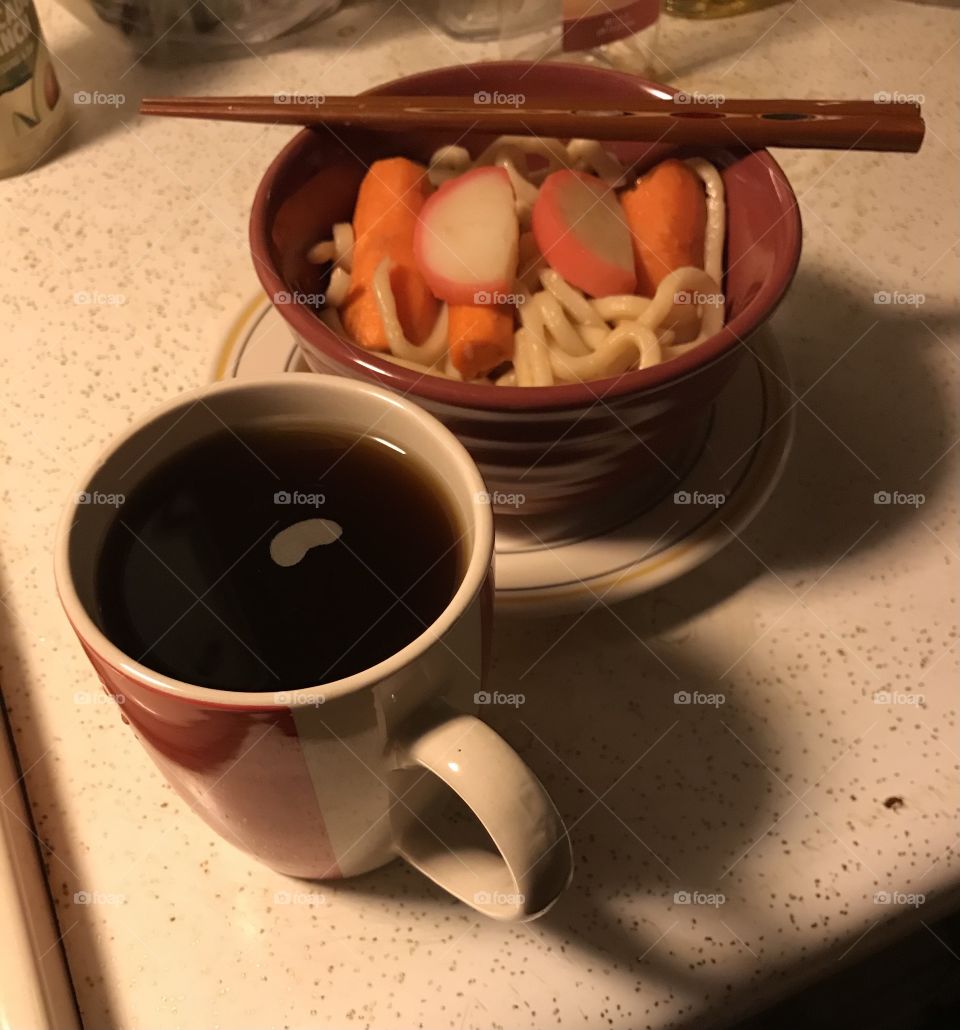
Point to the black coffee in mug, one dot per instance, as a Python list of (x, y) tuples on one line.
[(278, 557)]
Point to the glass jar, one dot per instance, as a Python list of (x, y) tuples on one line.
[(713, 8)]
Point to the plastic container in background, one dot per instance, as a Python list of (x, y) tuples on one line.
[(32, 106), (211, 28), (464, 19), (615, 34)]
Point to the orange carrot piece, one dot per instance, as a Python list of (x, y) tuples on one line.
[(390, 198), (667, 214), (416, 306), (479, 338)]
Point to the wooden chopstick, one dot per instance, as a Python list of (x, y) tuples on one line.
[(700, 121)]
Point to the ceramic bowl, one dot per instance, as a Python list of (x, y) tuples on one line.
[(543, 449)]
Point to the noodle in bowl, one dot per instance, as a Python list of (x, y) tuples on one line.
[(563, 336), (605, 395)]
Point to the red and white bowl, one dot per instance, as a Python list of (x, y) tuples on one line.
[(555, 446)]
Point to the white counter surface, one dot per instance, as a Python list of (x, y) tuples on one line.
[(798, 799)]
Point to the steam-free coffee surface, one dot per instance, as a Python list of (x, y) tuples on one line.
[(277, 557)]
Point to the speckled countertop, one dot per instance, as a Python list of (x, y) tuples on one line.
[(829, 774)]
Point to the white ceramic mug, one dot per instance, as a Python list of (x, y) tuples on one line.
[(335, 780)]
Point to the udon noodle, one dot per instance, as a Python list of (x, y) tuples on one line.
[(563, 336)]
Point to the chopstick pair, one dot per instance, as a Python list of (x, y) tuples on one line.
[(685, 119)]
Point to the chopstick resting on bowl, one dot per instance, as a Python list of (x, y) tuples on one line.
[(819, 124)]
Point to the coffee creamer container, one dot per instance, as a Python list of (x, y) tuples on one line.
[(31, 105)]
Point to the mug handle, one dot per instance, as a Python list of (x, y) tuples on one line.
[(535, 860)]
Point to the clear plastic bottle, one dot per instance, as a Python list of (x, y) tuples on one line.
[(32, 107)]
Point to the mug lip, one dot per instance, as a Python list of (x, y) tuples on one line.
[(316, 336), (96, 641)]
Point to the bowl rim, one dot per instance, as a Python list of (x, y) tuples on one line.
[(315, 334)]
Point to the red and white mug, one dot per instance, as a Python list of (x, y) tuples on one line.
[(336, 780)]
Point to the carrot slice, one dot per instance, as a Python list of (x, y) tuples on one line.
[(480, 337), (667, 214), (390, 198)]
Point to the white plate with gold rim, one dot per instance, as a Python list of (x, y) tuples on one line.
[(550, 565)]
